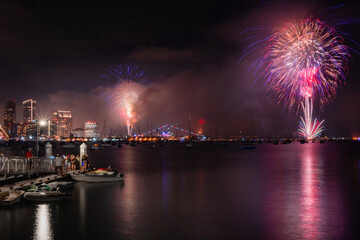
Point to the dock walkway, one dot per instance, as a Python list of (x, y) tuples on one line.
[(29, 182)]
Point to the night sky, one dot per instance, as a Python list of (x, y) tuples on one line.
[(56, 52)]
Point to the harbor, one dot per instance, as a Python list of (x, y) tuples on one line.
[(178, 190), (172, 120)]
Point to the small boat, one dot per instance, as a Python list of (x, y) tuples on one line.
[(119, 145), (69, 146), (106, 145), (102, 171), (322, 141), (31, 188), (189, 144), (44, 188), (95, 178), (133, 143), (248, 146), (11, 197), (302, 141), (48, 196), (95, 146), (61, 185)]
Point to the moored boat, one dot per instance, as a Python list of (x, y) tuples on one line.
[(248, 146), (106, 145), (44, 188), (30, 188), (11, 197), (61, 185), (69, 146), (133, 143), (94, 178), (95, 146), (48, 196)]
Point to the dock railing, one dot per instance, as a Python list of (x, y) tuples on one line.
[(14, 165)]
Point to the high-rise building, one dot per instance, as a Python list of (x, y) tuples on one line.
[(91, 130), (29, 110), (10, 118), (78, 132), (61, 123), (53, 123), (64, 123)]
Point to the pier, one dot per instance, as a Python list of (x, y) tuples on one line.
[(39, 180), (19, 166)]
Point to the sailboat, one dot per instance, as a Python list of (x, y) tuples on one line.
[(190, 143)]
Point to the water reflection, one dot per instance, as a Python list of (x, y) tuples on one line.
[(310, 201), (42, 226), (303, 196), (82, 210)]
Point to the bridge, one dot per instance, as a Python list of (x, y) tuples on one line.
[(15, 166), (169, 126)]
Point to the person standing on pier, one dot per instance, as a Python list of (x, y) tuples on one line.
[(85, 162), (29, 157), (73, 163), (58, 164)]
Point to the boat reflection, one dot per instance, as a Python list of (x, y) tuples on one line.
[(42, 225)]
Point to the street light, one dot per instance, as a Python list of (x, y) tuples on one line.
[(42, 123)]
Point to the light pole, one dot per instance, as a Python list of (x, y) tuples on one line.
[(42, 123)]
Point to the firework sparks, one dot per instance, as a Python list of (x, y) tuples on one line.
[(309, 128), (304, 62), (126, 72), (126, 92), (129, 108)]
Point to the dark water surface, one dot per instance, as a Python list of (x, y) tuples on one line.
[(294, 191)]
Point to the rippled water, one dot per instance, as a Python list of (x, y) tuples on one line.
[(294, 191)]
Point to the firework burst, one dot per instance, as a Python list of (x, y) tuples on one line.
[(126, 72), (125, 100), (126, 92), (306, 58), (303, 62)]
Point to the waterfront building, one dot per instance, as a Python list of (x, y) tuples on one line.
[(53, 123), (21, 129), (78, 132), (64, 125), (61, 123), (91, 129), (29, 110), (10, 118), (30, 129)]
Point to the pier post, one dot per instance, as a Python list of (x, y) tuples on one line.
[(83, 151), (48, 150)]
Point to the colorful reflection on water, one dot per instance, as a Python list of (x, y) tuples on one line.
[(310, 199)]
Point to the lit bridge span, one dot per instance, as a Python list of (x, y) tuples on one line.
[(169, 126)]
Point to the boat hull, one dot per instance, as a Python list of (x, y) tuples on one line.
[(50, 196), (97, 178), (11, 197)]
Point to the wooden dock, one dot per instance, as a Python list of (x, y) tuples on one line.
[(28, 182)]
